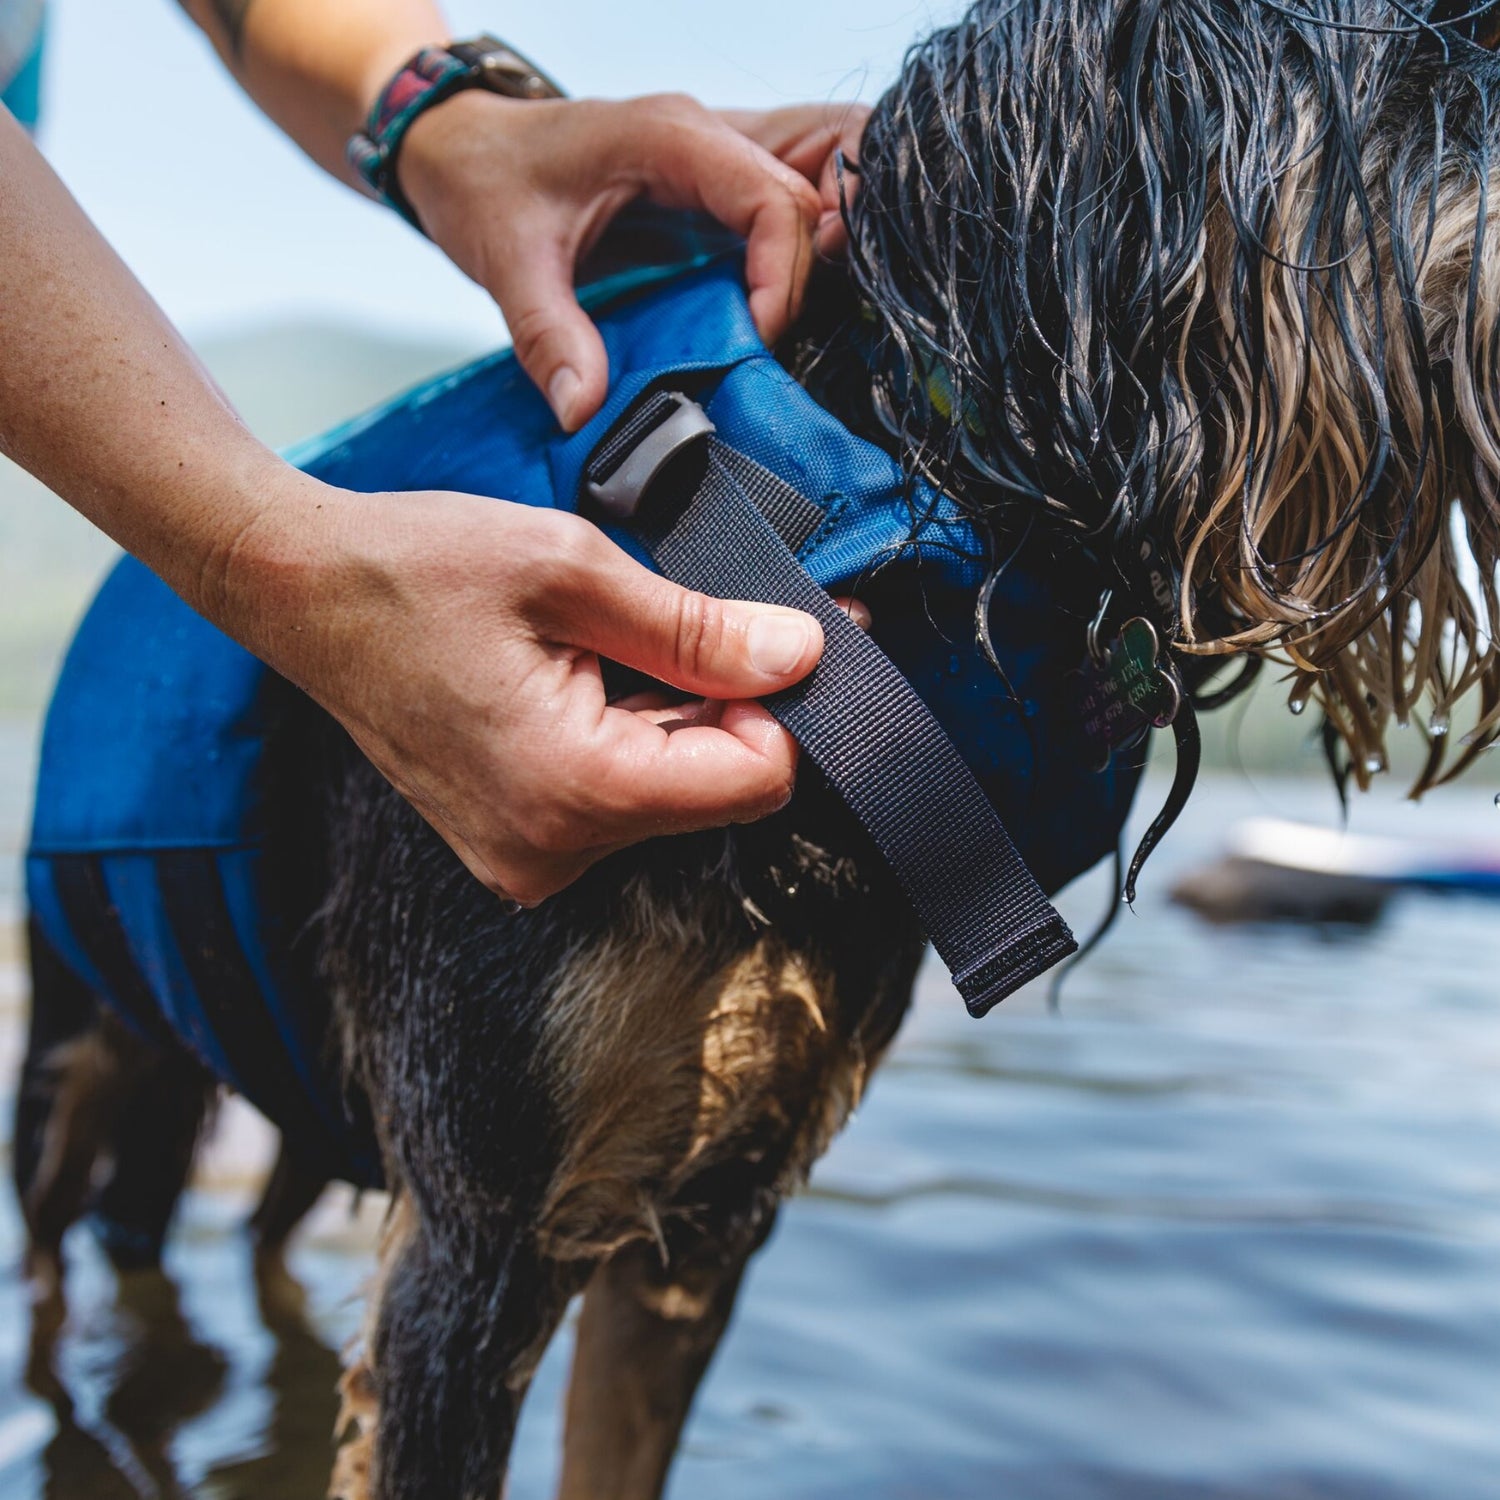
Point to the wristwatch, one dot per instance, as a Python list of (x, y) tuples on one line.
[(435, 74)]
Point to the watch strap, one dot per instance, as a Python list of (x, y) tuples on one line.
[(425, 79)]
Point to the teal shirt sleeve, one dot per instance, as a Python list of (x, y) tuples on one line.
[(21, 92)]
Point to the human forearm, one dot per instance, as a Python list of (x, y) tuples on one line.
[(315, 66), (100, 398)]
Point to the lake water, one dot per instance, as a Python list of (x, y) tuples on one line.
[(1229, 1226)]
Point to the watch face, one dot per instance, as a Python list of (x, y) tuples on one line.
[(504, 70)]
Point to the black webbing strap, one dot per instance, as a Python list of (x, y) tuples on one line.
[(855, 716)]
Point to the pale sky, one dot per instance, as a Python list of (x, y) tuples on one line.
[(228, 225)]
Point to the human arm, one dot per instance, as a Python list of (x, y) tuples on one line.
[(515, 191), (454, 637)]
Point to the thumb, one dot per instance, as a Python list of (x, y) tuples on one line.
[(710, 648), (555, 340)]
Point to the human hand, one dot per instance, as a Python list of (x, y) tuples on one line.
[(516, 192), (809, 138), (458, 640)]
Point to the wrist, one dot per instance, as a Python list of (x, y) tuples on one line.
[(378, 69), (268, 554), (437, 150), (429, 78)]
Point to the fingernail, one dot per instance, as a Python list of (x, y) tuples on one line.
[(562, 391), (778, 642)]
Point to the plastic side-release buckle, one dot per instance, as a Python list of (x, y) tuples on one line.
[(628, 461)]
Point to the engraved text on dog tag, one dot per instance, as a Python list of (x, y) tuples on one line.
[(1122, 690)]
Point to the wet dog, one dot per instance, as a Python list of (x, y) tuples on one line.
[(1197, 280)]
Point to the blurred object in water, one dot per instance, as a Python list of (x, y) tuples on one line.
[(1234, 889), (1280, 871)]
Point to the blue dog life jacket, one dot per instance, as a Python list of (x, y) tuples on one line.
[(147, 874)]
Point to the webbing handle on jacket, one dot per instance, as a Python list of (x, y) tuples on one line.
[(689, 500)]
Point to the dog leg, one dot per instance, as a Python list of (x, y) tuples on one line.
[(55, 1140), (355, 1430), (63, 1010), (82, 1110), (646, 1336), (459, 1328), (163, 1101), (294, 1186), (94, 1093)]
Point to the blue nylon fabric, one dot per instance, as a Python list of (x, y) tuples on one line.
[(45, 908), (156, 734), (266, 938), (131, 880)]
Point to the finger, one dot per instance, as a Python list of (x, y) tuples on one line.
[(832, 238), (652, 701), (670, 711), (603, 600), (856, 609), (803, 136), (779, 255), (690, 158), (657, 779), (809, 138), (478, 867), (680, 715), (556, 341)]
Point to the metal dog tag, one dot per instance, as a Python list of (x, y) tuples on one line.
[(1121, 690)]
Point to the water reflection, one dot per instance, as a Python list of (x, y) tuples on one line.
[(299, 1380), (139, 1377), (127, 1382)]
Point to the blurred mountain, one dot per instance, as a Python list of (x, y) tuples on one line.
[(288, 381), (292, 380)]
